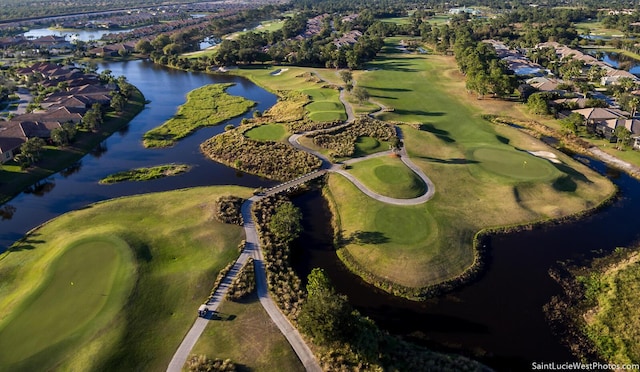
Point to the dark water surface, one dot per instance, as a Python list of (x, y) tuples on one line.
[(497, 319), (166, 89)]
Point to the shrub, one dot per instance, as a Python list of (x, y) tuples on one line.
[(244, 283), (200, 363), (228, 209)]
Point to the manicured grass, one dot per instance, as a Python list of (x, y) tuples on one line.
[(518, 166), (397, 20), (88, 285), (478, 170), (171, 249), (268, 132), (325, 102), (246, 335), (205, 106), (13, 180), (146, 174), (366, 145), (596, 28), (387, 175)]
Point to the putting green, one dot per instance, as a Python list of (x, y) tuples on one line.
[(388, 176), (267, 132), (82, 292), (517, 165)]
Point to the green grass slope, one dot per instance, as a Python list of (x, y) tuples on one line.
[(140, 266)]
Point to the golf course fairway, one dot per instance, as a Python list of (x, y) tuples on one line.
[(86, 287), (113, 286)]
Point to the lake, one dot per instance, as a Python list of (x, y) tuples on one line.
[(166, 89)]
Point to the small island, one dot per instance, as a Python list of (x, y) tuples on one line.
[(206, 106), (146, 174)]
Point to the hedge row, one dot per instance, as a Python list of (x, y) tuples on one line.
[(284, 284), (244, 283)]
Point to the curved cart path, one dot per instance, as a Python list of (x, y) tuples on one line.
[(252, 247), (336, 168)]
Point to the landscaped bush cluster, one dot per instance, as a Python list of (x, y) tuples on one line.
[(342, 142), (284, 284), (308, 125), (219, 279), (244, 283), (200, 363), (228, 209), (271, 160)]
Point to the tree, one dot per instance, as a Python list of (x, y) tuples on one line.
[(622, 135), (144, 46), (571, 123), (92, 119), (285, 222), (346, 76), (361, 94), (118, 102), (537, 104), (59, 136), (30, 150), (325, 315)]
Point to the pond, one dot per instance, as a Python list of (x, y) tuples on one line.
[(78, 186), (621, 61), (70, 35)]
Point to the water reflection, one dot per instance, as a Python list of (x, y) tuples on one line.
[(166, 89), (74, 168)]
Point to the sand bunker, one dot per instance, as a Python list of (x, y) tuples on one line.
[(279, 71), (546, 155)]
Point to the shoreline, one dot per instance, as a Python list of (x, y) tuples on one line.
[(72, 153)]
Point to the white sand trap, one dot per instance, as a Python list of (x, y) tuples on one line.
[(279, 71), (546, 155)]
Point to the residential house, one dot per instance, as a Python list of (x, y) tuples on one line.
[(596, 119), (11, 138)]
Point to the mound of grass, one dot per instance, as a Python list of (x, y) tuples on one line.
[(267, 132), (366, 145), (153, 271), (613, 324), (388, 176), (146, 174), (205, 106), (247, 336), (342, 142)]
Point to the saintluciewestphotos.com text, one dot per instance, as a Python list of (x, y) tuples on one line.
[(577, 366)]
